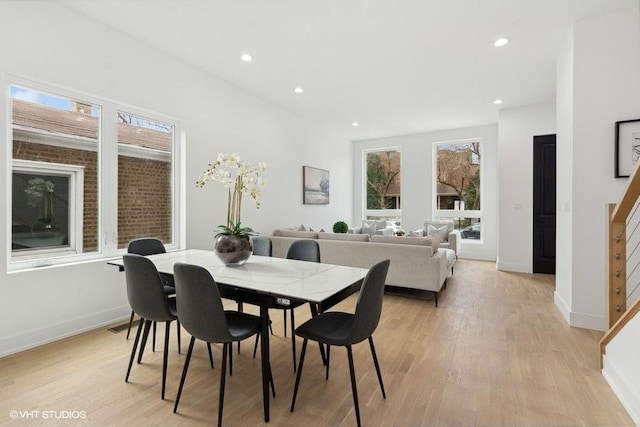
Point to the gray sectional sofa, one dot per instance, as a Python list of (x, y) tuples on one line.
[(416, 262)]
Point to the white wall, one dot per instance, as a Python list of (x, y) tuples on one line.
[(621, 369), (417, 181), (516, 129), (564, 178), (606, 89), (47, 42)]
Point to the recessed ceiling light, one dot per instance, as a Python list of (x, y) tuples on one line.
[(498, 101), (298, 90), (246, 57), (501, 42), (355, 124)]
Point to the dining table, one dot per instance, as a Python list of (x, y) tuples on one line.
[(267, 281)]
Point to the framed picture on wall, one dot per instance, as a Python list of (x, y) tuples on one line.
[(315, 186), (627, 147)]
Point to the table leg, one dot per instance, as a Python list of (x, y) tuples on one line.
[(264, 352)]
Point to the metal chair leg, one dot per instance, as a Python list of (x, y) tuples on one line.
[(165, 358), (179, 349), (354, 388), (133, 351), (184, 373), (145, 335), (130, 323), (328, 357), (293, 339), (210, 354), (375, 362), (298, 374), (223, 373)]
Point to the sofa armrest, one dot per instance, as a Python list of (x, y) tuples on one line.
[(454, 241)]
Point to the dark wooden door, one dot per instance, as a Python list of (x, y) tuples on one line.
[(544, 204)]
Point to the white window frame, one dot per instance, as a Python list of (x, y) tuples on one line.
[(76, 206), (386, 214), (454, 214), (107, 148)]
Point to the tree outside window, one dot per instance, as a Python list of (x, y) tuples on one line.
[(383, 180)]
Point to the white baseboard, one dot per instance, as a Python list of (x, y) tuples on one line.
[(578, 320), (622, 389), (562, 306), (514, 268), (587, 321), (51, 333)]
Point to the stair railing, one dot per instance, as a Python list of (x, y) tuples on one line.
[(623, 260)]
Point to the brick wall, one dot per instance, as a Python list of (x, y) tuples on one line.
[(144, 199)]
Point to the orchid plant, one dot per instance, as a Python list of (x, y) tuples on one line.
[(237, 177)]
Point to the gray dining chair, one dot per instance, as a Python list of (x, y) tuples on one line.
[(148, 300), (151, 246), (202, 314), (345, 329), (262, 246)]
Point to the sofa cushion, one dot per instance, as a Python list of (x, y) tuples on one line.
[(299, 234), (432, 241), (442, 228), (344, 236)]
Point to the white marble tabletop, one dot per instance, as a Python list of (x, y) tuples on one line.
[(308, 281)]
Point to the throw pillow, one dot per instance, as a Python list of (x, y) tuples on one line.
[(369, 227), (417, 233), (300, 228), (440, 231)]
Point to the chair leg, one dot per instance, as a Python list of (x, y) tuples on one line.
[(240, 310), (178, 323), (314, 313), (223, 372), (284, 317), (133, 351), (299, 374), (255, 346), (273, 386), (145, 335), (153, 343), (130, 323), (436, 298), (210, 354), (184, 372), (165, 357), (375, 362), (230, 359), (354, 388), (328, 357), (293, 339)]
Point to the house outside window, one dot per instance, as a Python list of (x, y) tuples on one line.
[(458, 175)]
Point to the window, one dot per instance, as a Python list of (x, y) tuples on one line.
[(46, 208), (144, 179), (458, 186), (65, 204), (383, 185)]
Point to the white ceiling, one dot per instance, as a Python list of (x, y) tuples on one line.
[(395, 66)]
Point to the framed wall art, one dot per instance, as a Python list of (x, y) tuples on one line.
[(627, 147), (315, 186)]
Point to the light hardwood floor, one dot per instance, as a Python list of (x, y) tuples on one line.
[(495, 352)]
